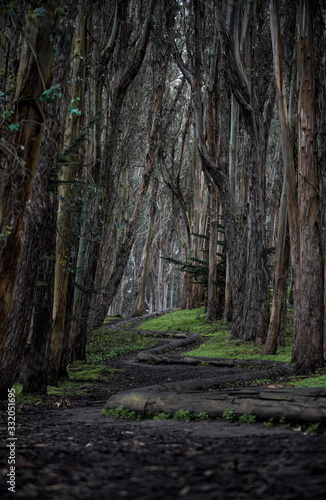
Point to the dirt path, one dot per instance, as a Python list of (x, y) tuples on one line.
[(73, 452)]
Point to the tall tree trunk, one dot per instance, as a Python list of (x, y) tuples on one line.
[(64, 241), (233, 158), (248, 270), (280, 280), (37, 221), (212, 297), (112, 282), (119, 84), (145, 257), (35, 379), (303, 200), (18, 173), (308, 348)]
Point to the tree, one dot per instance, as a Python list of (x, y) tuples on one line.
[(302, 194), (112, 281), (308, 338), (20, 157), (38, 217), (246, 243)]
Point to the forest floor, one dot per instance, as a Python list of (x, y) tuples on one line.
[(66, 449)]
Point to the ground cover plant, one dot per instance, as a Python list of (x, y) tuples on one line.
[(186, 320), (103, 343), (217, 342)]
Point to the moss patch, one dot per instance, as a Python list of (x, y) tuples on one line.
[(219, 345), (179, 321), (104, 343), (314, 380)]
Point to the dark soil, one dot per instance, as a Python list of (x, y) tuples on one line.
[(68, 450)]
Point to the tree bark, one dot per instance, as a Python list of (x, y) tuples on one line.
[(111, 283), (308, 347), (247, 253), (303, 199), (72, 157), (17, 175), (35, 377), (38, 220), (145, 257)]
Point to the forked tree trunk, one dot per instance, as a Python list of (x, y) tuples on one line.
[(248, 270)]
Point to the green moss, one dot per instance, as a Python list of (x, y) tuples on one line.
[(192, 320), (270, 422), (104, 343), (314, 380), (161, 416), (219, 345), (90, 372), (184, 415), (121, 412), (21, 398), (229, 415), (247, 418)]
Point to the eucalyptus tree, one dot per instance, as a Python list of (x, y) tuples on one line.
[(19, 158), (38, 219), (245, 233), (111, 282), (119, 58)]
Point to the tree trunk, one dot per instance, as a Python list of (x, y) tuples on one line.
[(17, 175), (37, 221), (212, 296), (308, 348), (248, 270), (233, 159), (280, 281), (303, 201), (112, 282), (35, 379), (145, 257), (72, 157)]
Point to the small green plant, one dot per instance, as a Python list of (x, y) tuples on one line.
[(74, 110), (121, 412), (184, 415), (270, 422), (51, 94), (316, 427), (203, 415), (283, 424), (203, 363), (6, 233), (247, 418), (161, 416), (229, 415)]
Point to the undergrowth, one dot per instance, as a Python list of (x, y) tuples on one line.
[(104, 343), (218, 344), (184, 415)]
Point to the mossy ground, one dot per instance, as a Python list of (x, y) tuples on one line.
[(219, 345), (192, 320), (103, 343)]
